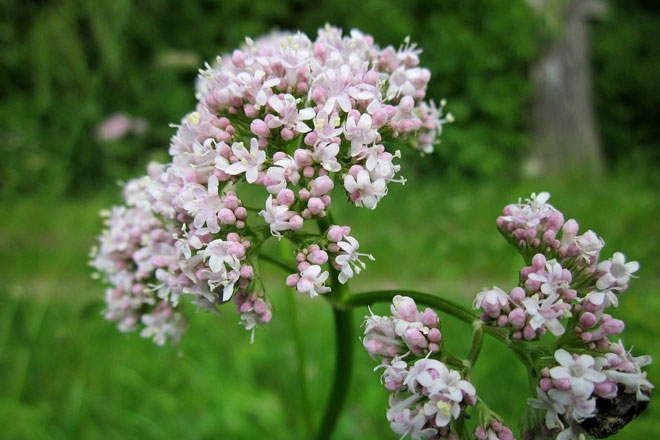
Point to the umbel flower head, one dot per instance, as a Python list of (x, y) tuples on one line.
[(594, 387), (293, 116)]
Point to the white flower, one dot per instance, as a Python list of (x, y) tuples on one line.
[(615, 272), (533, 212), (249, 162), (396, 371), (360, 133), (218, 255), (420, 375), (443, 410), (284, 170), (598, 297), (326, 154), (202, 204), (551, 407), (577, 407), (312, 281), (589, 244), (405, 421), (369, 193), (290, 117), (633, 380), (350, 257), (573, 432), (277, 217), (578, 370), (326, 126), (413, 425), (544, 313), (380, 165), (551, 280), (453, 387), (492, 297)]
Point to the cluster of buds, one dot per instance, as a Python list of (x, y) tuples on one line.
[(292, 116), (426, 395), (254, 308), (529, 311), (566, 290), (310, 279), (407, 330), (565, 285), (494, 429), (537, 227)]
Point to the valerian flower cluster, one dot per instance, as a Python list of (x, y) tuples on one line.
[(569, 291), (428, 398), (586, 384), (294, 117)]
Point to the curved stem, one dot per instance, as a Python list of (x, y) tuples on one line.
[(444, 305), (447, 306), (477, 343), (276, 262)]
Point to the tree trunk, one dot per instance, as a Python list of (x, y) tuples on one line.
[(564, 134)]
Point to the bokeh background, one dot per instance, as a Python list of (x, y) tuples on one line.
[(68, 65)]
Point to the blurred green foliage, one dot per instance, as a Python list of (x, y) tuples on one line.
[(65, 65), (626, 46)]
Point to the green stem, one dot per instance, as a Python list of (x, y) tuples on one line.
[(300, 365), (477, 343), (300, 353), (343, 365), (276, 262), (442, 304), (344, 341)]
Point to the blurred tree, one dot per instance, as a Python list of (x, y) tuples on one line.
[(65, 65), (564, 132)]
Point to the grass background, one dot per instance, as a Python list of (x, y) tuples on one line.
[(67, 373)]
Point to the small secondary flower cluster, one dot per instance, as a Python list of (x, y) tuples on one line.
[(293, 116), (574, 392), (426, 395), (573, 285), (566, 290)]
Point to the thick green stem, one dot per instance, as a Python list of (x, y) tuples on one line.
[(300, 366), (344, 342), (344, 337), (300, 353)]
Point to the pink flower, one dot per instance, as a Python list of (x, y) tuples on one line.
[(249, 162), (312, 281), (363, 191), (349, 260)]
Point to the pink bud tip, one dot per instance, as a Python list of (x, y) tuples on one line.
[(296, 222), (292, 279)]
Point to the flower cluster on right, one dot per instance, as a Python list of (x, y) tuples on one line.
[(587, 384)]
